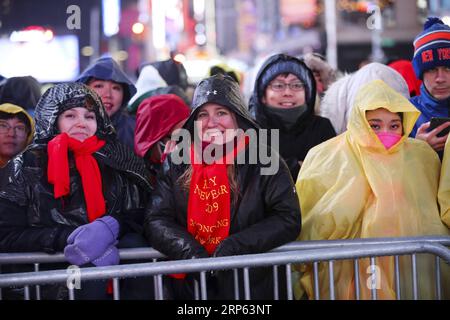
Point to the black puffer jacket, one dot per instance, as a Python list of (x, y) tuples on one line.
[(310, 129), (265, 215), (31, 219)]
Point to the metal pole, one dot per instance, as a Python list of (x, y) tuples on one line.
[(331, 30), (94, 34)]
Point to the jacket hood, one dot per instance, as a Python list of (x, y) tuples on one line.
[(405, 68), (275, 65), (225, 91), (106, 68), (21, 91), (172, 72), (63, 97), (13, 109), (339, 99), (149, 79), (374, 95), (316, 63), (155, 118), (176, 90)]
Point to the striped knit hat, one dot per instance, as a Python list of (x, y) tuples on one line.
[(431, 47)]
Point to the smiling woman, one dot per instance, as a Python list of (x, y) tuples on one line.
[(216, 124), (211, 207), (79, 123), (115, 89), (75, 188)]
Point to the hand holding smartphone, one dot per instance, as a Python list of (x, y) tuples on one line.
[(436, 122)]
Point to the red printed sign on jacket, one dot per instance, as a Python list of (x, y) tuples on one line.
[(209, 205)]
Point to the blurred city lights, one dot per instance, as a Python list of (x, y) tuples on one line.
[(30, 34), (111, 17), (87, 51), (158, 24), (181, 58), (121, 55), (446, 20), (138, 28), (200, 39)]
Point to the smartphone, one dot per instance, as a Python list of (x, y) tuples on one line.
[(436, 122)]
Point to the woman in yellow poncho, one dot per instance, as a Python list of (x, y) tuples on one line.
[(372, 181), (444, 186)]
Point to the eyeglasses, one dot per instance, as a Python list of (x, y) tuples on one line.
[(20, 131), (281, 86)]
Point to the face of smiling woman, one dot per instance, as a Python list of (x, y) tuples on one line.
[(215, 123), (111, 94), (79, 123)]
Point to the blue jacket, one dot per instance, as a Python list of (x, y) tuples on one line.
[(429, 107), (106, 68)]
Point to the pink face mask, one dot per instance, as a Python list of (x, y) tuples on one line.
[(389, 139)]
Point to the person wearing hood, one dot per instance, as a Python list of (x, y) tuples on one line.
[(173, 72), (405, 68), (115, 89), (156, 119), (431, 62), (21, 91), (323, 73), (76, 189), (253, 212), (16, 131), (150, 84), (339, 99), (283, 99), (370, 182)]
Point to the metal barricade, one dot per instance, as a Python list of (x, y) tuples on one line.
[(314, 252)]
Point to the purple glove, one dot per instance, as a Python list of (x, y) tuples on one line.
[(91, 241), (109, 258)]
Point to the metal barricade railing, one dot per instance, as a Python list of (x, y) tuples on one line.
[(293, 253)]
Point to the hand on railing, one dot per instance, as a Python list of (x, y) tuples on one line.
[(109, 258), (92, 241)]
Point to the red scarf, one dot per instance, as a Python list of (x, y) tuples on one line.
[(58, 170), (209, 199), (208, 215)]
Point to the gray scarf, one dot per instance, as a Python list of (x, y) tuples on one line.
[(286, 118)]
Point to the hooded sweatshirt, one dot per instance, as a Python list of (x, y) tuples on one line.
[(353, 187)]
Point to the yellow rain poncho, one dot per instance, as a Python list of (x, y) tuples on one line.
[(444, 186), (352, 187)]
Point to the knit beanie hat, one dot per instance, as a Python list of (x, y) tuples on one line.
[(431, 47), (286, 66)]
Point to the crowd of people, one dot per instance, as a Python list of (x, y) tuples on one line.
[(103, 163)]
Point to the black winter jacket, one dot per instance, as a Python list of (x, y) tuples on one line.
[(265, 214), (31, 219)]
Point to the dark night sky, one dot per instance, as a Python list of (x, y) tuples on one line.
[(17, 14)]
